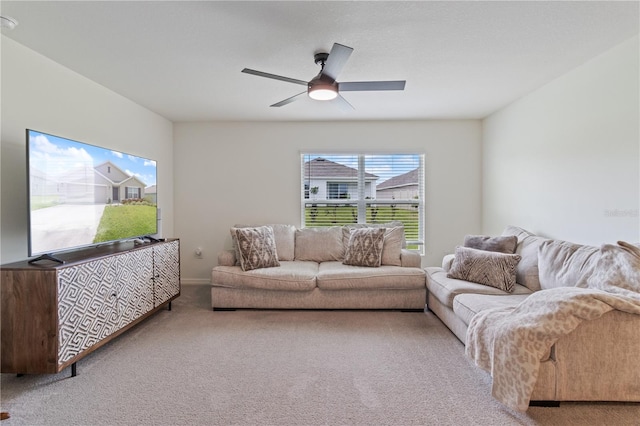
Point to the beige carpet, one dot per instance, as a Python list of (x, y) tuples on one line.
[(193, 366)]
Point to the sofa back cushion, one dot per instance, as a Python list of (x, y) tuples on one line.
[(565, 264), (319, 244), (527, 269)]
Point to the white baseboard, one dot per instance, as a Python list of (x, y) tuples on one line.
[(194, 281)]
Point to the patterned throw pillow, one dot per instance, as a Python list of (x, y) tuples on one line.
[(393, 239), (502, 244), (365, 247), (485, 267), (256, 247)]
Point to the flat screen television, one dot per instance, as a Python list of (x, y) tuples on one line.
[(83, 195)]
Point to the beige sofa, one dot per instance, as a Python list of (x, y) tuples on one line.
[(597, 361), (311, 274)]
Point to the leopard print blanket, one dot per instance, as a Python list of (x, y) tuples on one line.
[(510, 342)]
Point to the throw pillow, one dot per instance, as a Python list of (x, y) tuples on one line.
[(285, 236), (390, 224), (504, 244), (256, 247), (365, 247), (392, 249), (485, 267)]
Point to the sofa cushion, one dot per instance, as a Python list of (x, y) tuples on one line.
[(527, 269), (257, 247), (227, 258), (290, 275), (447, 261), (285, 236), (364, 247), (338, 276), (563, 264), (392, 249), (445, 289), (465, 306), (503, 244), (319, 244), (485, 267), (410, 259)]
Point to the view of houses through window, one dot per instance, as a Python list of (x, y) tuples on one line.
[(340, 189)]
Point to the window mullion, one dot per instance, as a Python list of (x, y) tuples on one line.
[(362, 206)]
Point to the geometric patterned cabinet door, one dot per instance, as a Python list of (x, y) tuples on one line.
[(133, 285), (87, 310), (100, 297), (166, 276), (53, 314)]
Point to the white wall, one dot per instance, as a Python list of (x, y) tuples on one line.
[(564, 161), (228, 173), (40, 94)]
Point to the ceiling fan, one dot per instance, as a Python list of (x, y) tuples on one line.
[(324, 86)]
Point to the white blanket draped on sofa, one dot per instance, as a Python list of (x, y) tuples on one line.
[(510, 343)]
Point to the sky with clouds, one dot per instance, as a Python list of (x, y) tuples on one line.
[(55, 156)]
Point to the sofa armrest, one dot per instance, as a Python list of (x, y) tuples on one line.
[(447, 261), (227, 258), (410, 259)]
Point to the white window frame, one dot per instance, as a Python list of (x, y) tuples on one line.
[(362, 202)]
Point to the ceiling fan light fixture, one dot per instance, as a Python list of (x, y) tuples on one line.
[(322, 90), (323, 93)]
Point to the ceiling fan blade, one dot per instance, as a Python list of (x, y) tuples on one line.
[(360, 86), (274, 76), (337, 59), (343, 104), (289, 100)]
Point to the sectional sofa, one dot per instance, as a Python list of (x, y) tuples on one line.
[(310, 269), (593, 332)]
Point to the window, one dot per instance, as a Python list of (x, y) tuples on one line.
[(132, 192), (339, 189)]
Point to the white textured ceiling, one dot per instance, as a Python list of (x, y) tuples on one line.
[(183, 59)]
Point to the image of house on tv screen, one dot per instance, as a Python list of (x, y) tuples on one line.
[(80, 194)]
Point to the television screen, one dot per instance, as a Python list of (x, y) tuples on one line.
[(82, 195)]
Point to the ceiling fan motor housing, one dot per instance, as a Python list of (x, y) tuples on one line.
[(321, 58)]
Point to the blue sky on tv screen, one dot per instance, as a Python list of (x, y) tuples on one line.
[(55, 156)]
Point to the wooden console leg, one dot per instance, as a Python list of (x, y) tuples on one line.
[(4, 415), (74, 371)]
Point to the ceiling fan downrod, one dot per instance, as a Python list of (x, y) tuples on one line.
[(321, 59)]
